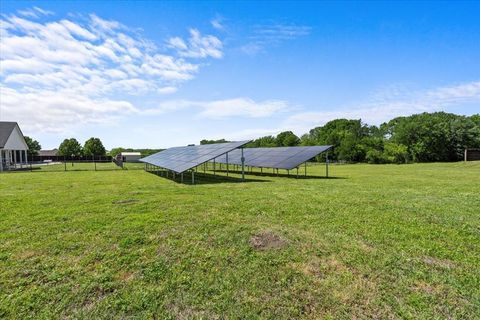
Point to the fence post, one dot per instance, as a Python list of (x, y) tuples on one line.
[(94, 163), (65, 162)]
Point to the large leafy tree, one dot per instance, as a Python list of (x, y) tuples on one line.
[(70, 147), (435, 136), (287, 139), (94, 147), (33, 145), (347, 136), (116, 151)]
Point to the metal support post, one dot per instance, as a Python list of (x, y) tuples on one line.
[(227, 163), (305, 168), (326, 164), (243, 165), (193, 177), (181, 177)]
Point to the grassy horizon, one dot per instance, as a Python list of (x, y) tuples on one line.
[(377, 241)]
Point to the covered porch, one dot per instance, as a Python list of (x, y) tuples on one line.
[(13, 159)]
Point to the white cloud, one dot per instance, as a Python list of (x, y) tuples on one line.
[(197, 46), (54, 69), (52, 111), (220, 109), (242, 107)]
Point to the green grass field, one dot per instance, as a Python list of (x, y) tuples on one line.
[(377, 241)]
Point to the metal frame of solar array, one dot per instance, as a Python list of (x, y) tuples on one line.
[(181, 159), (278, 157)]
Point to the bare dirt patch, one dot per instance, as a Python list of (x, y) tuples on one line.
[(125, 201), (27, 254), (424, 287), (441, 263), (311, 268), (267, 240)]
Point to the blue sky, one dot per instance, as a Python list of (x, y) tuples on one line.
[(160, 74)]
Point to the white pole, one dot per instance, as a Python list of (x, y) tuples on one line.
[(15, 157), (1, 161)]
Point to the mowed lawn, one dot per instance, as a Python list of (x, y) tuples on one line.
[(378, 241)]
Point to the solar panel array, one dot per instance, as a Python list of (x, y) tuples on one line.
[(280, 158), (180, 159)]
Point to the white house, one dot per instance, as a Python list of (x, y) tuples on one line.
[(13, 148), (130, 156)]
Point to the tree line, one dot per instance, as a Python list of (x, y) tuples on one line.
[(424, 137), (91, 147)]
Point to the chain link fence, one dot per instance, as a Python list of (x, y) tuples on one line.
[(86, 163)]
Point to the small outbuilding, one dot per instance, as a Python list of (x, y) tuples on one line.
[(130, 156), (48, 153), (13, 147)]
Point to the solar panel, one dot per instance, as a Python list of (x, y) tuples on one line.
[(180, 159), (280, 157)]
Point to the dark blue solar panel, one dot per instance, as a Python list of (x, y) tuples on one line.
[(180, 159), (280, 157)]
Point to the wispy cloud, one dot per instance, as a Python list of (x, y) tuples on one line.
[(221, 109), (218, 23), (34, 12), (264, 36), (86, 70), (197, 46)]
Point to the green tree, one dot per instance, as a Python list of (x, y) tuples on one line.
[(205, 141), (33, 146), (94, 147), (287, 139), (395, 152), (307, 140), (116, 151), (262, 142), (347, 136), (70, 147), (437, 136)]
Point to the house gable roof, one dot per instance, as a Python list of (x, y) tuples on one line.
[(6, 129)]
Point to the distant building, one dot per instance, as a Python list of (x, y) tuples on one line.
[(48, 153), (13, 147), (130, 156)]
